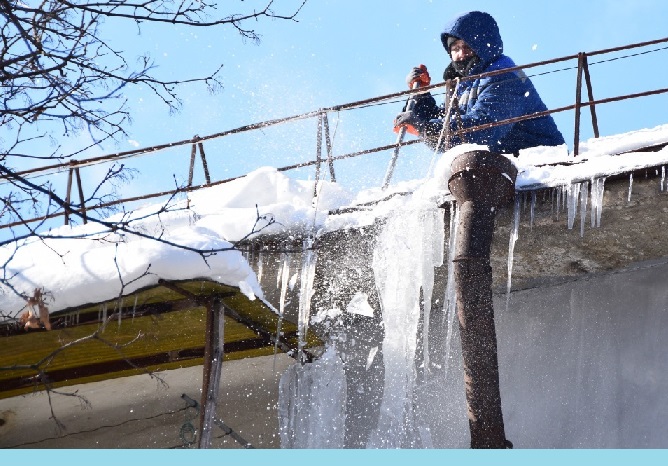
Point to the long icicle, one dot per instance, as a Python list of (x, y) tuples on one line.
[(283, 278), (599, 195), (584, 189), (511, 248), (309, 258)]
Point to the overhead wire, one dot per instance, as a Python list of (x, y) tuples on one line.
[(367, 103)]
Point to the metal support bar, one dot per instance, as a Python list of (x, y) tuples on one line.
[(318, 149), (357, 104), (213, 363), (193, 153), (81, 195), (227, 429), (328, 142), (207, 177), (72, 173), (578, 104), (68, 197), (481, 181), (590, 94)]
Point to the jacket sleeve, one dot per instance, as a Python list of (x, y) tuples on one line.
[(425, 107), (431, 114)]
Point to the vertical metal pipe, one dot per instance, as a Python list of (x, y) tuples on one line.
[(481, 182)]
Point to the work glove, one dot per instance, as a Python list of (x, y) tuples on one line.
[(411, 120), (419, 75)]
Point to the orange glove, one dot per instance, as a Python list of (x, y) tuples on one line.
[(418, 75), (407, 120)]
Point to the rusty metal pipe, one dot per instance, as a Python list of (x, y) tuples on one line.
[(481, 182)]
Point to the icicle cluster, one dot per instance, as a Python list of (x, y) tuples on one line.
[(309, 258), (408, 249), (311, 405)]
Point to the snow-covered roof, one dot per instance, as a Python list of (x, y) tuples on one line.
[(82, 264)]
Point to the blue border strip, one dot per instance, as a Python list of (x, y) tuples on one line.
[(104, 457)]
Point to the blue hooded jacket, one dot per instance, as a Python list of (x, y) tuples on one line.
[(490, 99)]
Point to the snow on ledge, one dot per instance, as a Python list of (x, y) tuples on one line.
[(77, 271)]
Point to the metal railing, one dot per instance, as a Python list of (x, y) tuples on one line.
[(197, 142)]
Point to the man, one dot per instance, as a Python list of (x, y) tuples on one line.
[(475, 46)]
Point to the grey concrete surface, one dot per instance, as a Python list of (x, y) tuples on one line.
[(141, 412)]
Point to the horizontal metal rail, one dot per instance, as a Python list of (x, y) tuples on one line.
[(315, 113), (72, 164), (557, 110)]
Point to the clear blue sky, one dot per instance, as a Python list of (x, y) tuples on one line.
[(344, 50)]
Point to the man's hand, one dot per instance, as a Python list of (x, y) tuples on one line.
[(410, 121), (418, 75)]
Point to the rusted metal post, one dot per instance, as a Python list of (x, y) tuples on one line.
[(481, 182), (328, 142), (590, 94), (191, 170), (318, 150), (68, 197), (578, 104), (205, 165), (213, 362), (81, 196)]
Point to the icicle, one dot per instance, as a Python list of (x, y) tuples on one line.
[(572, 202), (630, 186), (663, 176), (511, 248), (283, 278), (524, 201), (309, 258), (402, 248), (597, 188), (432, 245), (594, 201), (260, 264), (312, 404), (559, 195), (134, 308), (600, 188), (584, 188), (280, 273), (251, 253), (78, 312)]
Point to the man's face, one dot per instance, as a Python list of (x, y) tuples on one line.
[(459, 50)]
